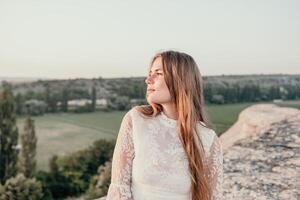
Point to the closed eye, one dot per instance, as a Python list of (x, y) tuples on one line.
[(157, 73)]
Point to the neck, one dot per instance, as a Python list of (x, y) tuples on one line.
[(170, 110)]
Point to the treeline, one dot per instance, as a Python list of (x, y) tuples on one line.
[(251, 88), (51, 99), (84, 173), (120, 93), (235, 93)]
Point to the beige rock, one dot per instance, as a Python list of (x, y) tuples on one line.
[(262, 154), (256, 119)]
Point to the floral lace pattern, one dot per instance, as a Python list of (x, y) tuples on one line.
[(120, 187), (149, 161), (215, 164)]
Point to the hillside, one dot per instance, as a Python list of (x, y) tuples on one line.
[(17, 80), (280, 85)]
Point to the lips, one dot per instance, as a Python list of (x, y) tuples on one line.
[(150, 90)]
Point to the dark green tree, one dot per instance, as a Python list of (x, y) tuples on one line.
[(8, 136), (65, 99), (208, 93), (99, 183), (94, 98), (274, 92), (19, 99), (27, 161), (71, 174), (51, 98), (47, 95)]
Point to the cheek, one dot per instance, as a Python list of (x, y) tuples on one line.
[(164, 88), (164, 91), (161, 95)]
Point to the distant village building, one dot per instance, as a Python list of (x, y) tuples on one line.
[(102, 102), (277, 100), (34, 102), (79, 102), (82, 102)]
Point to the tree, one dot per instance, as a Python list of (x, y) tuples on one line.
[(217, 98), (51, 98), (19, 104), (122, 103), (47, 95), (35, 107), (208, 92), (94, 98), (55, 186), (65, 99), (274, 92), (8, 136), (80, 166), (71, 174), (53, 165), (21, 188), (99, 184), (27, 161)]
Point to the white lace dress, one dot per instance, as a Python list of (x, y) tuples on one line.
[(149, 162)]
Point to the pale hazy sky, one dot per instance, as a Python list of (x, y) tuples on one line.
[(87, 38)]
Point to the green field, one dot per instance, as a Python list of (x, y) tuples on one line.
[(64, 133), (223, 116), (293, 104)]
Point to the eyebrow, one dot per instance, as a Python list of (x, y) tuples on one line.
[(156, 70)]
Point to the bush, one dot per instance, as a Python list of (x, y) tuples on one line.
[(71, 175), (21, 188), (100, 183), (35, 107), (218, 99), (55, 186)]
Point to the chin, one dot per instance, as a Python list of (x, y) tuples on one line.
[(151, 100), (158, 100)]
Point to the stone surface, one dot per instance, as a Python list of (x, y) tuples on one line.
[(265, 164), (256, 119)]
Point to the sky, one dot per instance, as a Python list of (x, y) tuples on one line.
[(97, 38)]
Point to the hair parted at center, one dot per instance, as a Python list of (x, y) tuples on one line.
[(185, 84)]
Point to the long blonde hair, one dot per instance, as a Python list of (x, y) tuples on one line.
[(184, 82)]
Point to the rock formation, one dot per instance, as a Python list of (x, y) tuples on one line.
[(262, 154)]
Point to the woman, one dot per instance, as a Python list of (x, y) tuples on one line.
[(165, 150)]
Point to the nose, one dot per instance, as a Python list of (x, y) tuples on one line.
[(149, 80)]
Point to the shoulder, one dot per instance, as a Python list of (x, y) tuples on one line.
[(131, 112), (132, 115), (136, 114), (208, 136)]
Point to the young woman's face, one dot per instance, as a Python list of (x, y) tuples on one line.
[(157, 90)]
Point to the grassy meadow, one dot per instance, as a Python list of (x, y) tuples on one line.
[(67, 132)]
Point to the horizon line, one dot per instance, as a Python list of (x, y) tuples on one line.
[(116, 77)]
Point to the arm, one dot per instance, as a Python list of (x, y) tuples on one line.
[(215, 165), (120, 187)]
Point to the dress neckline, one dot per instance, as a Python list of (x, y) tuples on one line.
[(167, 120), (173, 122)]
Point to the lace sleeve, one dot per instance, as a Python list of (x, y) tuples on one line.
[(120, 187), (215, 165)]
